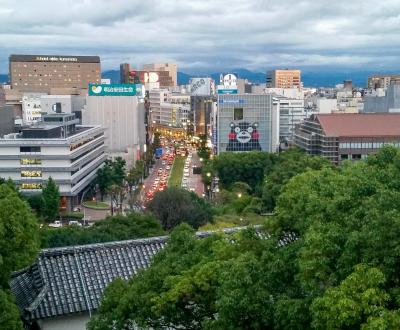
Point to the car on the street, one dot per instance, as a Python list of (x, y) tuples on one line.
[(74, 223), (56, 224)]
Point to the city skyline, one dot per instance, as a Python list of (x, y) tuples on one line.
[(207, 35)]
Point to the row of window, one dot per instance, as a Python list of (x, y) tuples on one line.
[(31, 174), (29, 149), (31, 186), (367, 145), (30, 161)]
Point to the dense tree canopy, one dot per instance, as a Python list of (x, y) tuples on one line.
[(288, 164), (111, 229), (18, 233), (9, 313), (18, 248), (339, 270), (175, 205), (248, 167)]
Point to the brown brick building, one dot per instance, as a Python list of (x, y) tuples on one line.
[(40, 73)]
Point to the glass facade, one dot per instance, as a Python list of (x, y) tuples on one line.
[(244, 122)]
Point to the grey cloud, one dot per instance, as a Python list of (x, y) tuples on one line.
[(207, 34)]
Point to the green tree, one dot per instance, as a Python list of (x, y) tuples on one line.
[(248, 167), (50, 200), (208, 283), (36, 202), (118, 171), (104, 178), (359, 297), (9, 313), (18, 233), (329, 259), (114, 228), (288, 164), (175, 205)]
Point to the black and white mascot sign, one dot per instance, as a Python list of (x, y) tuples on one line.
[(243, 137)]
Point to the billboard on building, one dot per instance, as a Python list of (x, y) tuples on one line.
[(201, 86), (244, 123), (229, 80), (116, 90), (227, 91)]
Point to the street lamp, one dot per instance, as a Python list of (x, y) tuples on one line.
[(239, 195), (208, 174)]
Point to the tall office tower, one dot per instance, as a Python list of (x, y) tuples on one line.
[(124, 69), (168, 67), (284, 78), (40, 73)]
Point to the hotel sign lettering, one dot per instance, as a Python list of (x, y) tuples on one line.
[(56, 59)]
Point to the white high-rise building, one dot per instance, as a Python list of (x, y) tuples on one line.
[(123, 118)]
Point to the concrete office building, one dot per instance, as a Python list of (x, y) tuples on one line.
[(390, 102), (40, 73), (243, 86), (246, 122), (170, 113), (284, 79), (151, 79), (340, 137), (166, 67), (67, 103), (291, 113), (200, 114), (123, 118), (382, 81), (57, 148), (6, 120)]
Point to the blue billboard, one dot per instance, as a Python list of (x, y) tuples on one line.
[(227, 91)]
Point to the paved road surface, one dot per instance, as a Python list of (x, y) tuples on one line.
[(194, 180)]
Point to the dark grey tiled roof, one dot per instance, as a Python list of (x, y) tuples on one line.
[(71, 280)]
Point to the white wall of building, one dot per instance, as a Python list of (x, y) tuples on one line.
[(76, 322), (326, 105), (291, 93), (123, 118)]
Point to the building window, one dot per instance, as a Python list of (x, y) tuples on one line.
[(30, 161), (238, 114), (30, 186), (356, 156), (29, 149), (31, 174), (344, 157)]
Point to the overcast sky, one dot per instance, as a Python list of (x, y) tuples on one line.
[(207, 35)]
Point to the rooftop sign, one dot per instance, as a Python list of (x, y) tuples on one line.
[(55, 58), (115, 90)]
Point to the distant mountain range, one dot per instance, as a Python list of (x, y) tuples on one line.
[(310, 78), (3, 78)]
